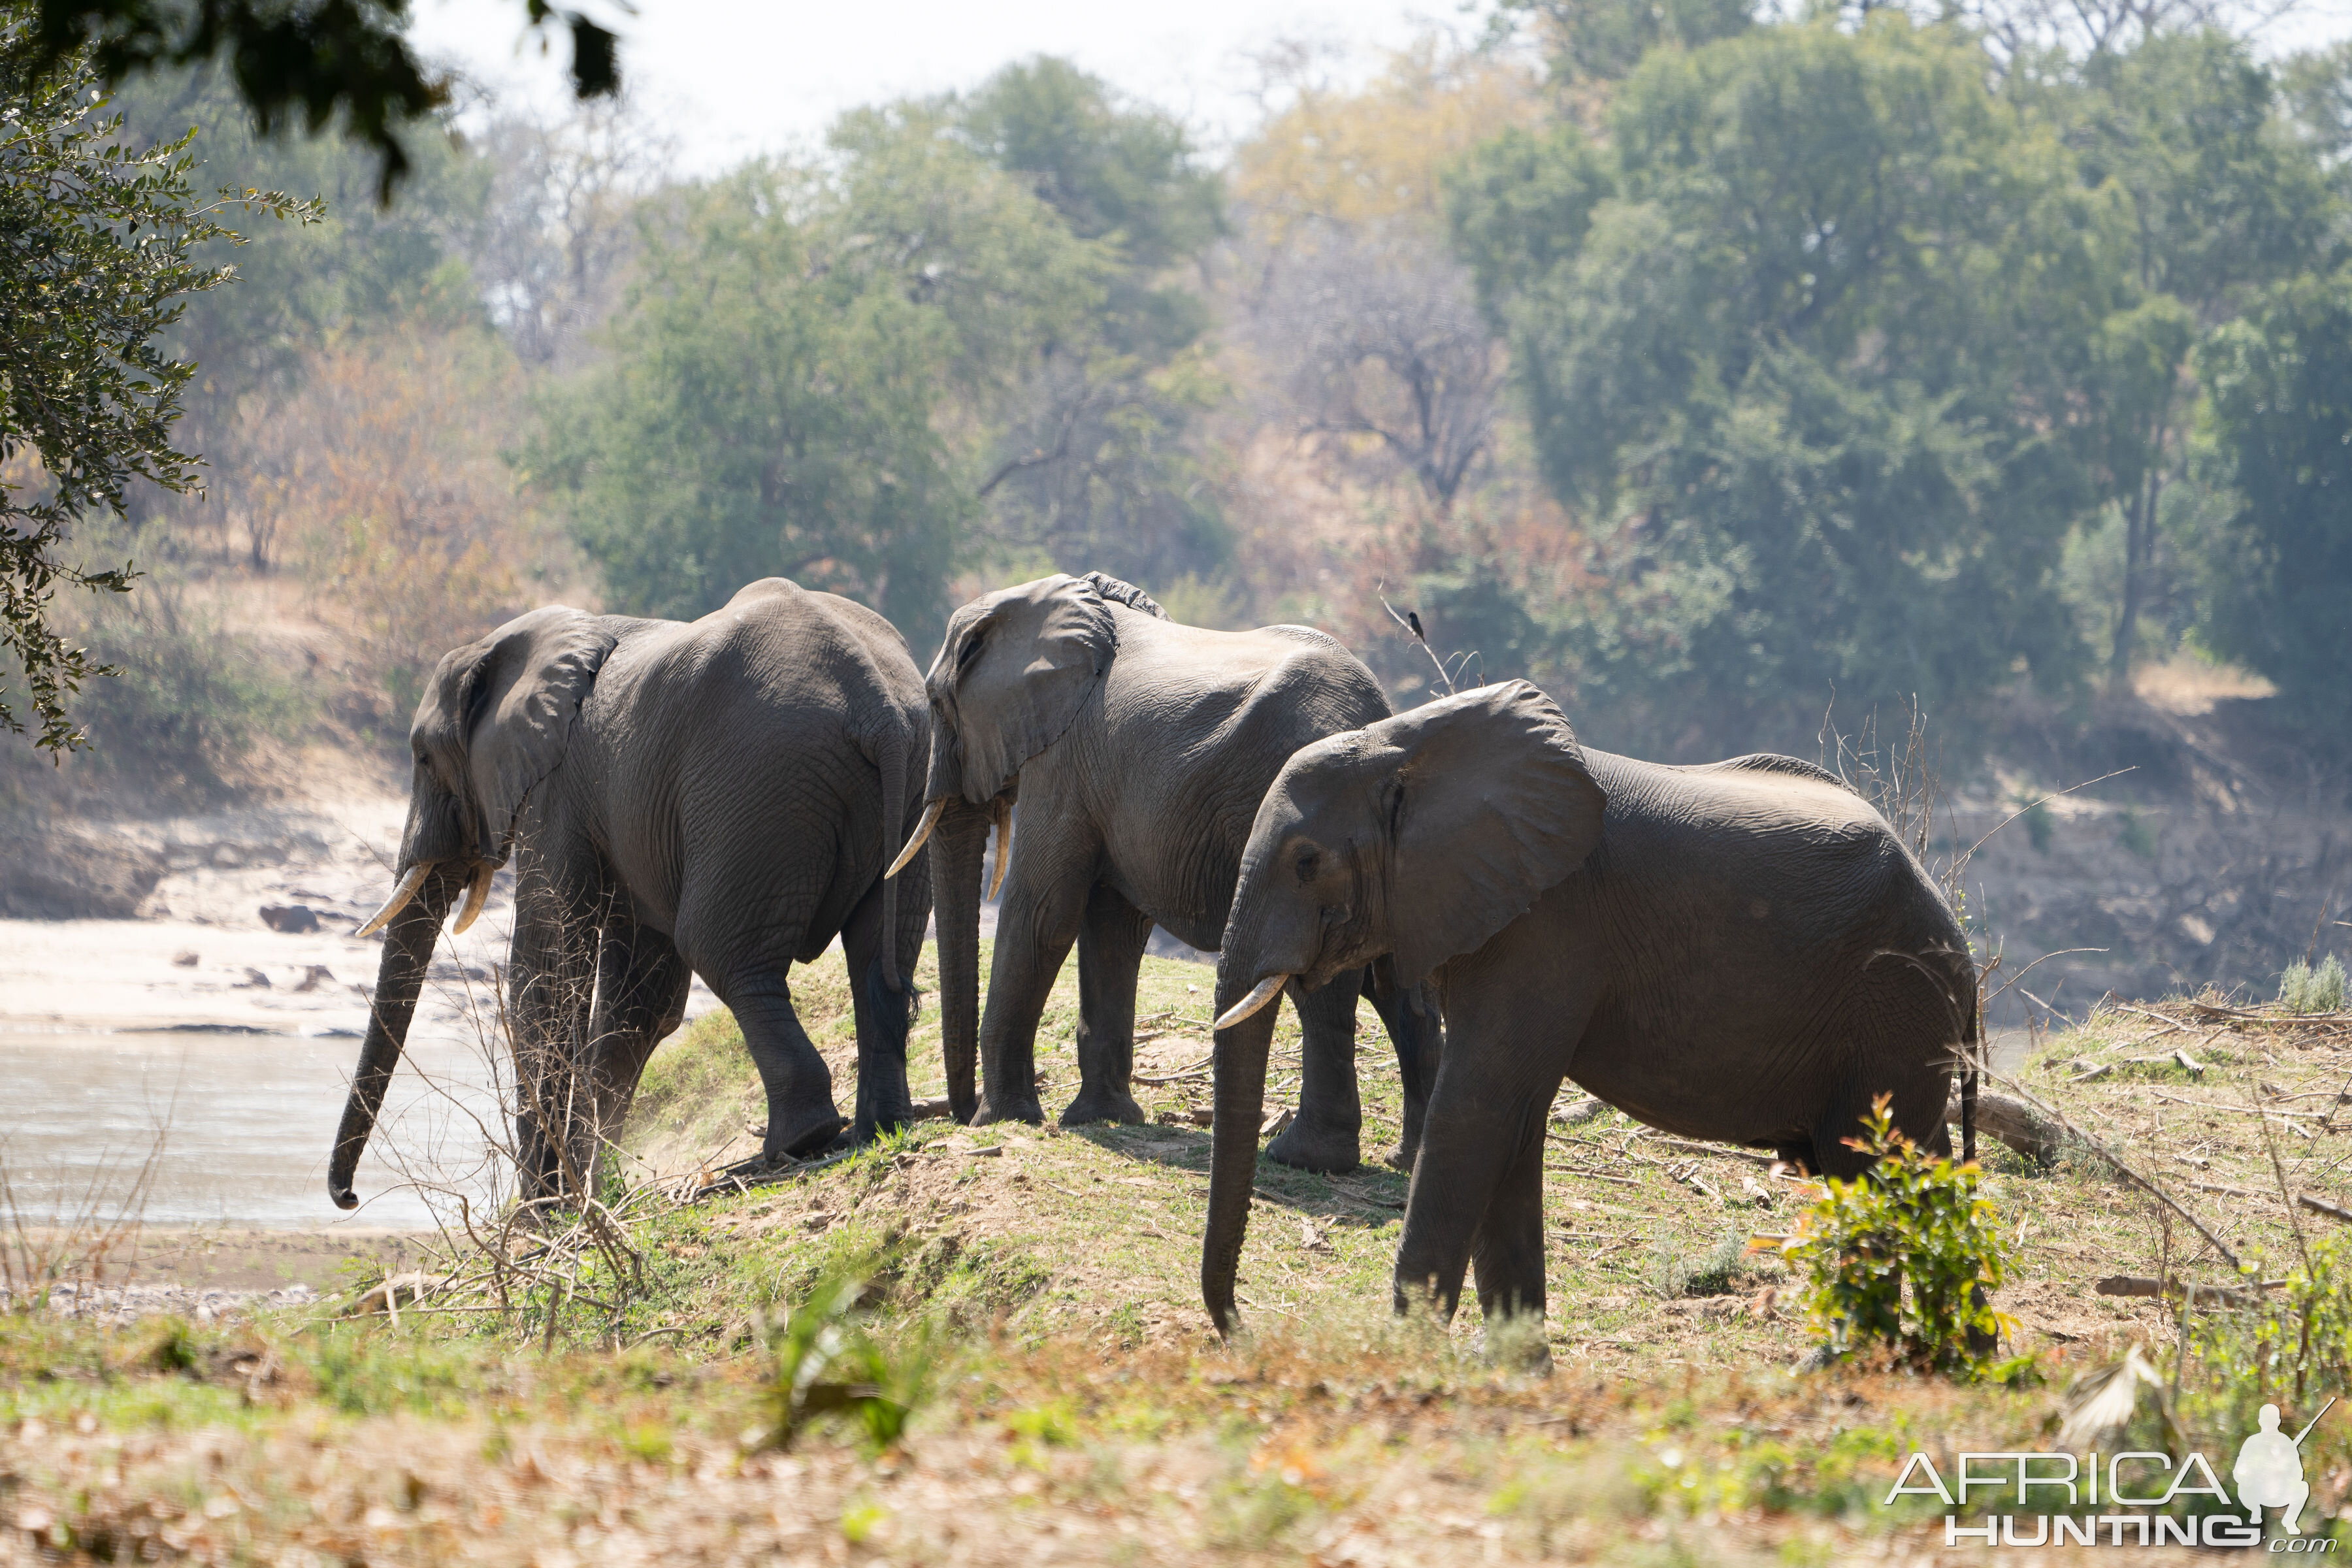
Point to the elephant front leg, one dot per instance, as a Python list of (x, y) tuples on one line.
[(1110, 952), (1477, 1187), (550, 988), (1507, 1252), (1328, 1134), (641, 991), (1034, 928)]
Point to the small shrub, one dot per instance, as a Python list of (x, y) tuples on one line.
[(2302, 989), (1674, 1272), (1903, 1255)]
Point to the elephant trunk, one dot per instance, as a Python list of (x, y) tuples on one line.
[(957, 842), (400, 978), (1241, 1055)]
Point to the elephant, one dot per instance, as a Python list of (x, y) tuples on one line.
[(1139, 750), (1742, 950), (716, 797)]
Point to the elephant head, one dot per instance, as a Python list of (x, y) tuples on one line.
[(1014, 671), (1418, 838), (493, 723)]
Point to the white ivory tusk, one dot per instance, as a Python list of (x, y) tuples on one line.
[(1004, 846), (397, 902), (476, 897), (923, 832), (1267, 990)]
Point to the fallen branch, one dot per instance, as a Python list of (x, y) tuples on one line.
[(1728, 1154), (2015, 1123), (2225, 1295), (2327, 1206), (2238, 1110)]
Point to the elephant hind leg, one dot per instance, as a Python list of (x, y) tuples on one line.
[(799, 1086), (1418, 1034), (1110, 952)]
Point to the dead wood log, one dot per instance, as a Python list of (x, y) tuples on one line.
[(2015, 1123)]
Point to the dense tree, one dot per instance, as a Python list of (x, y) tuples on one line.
[(2279, 385), (1098, 463), (802, 379), (1780, 359), (2213, 198), (101, 246)]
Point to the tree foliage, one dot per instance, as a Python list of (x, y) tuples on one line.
[(956, 341), (346, 62), (2279, 442), (1850, 351), (101, 246), (793, 380)]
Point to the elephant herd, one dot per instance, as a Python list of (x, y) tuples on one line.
[(1742, 951)]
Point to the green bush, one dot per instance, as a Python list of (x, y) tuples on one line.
[(2302, 989), (1901, 1255)]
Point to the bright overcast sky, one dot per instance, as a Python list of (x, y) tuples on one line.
[(730, 77)]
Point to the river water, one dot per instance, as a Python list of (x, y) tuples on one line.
[(240, 1127)]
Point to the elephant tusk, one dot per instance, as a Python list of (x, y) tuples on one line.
[(476, 897), (397, 902), (1004, 846), (923, 832), (1267, 990)]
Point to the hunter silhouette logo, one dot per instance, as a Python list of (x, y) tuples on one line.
[(2113, 1499), (2269, 1472)]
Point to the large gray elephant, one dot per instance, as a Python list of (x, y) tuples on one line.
[(715, 798), (1742, 951), (1139, 750)]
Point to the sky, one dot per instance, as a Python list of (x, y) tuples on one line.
[(730, 77)]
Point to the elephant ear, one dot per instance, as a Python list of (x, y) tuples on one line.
[(1014, 670), (1492, 806), (505, 707)]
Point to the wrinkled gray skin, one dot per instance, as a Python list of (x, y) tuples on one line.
[(1742, 951), (714, 798), (1139, 750)]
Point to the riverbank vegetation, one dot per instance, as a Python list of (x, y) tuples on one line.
[(1024, 1299)]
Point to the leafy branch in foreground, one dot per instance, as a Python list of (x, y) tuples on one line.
[(97, 259), (1903, 1255), (829, 1365)]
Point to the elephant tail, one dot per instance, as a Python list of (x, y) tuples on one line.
[(1972, 1048)]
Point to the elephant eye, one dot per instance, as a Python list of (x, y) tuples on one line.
[(1309, 862), (972, 646)]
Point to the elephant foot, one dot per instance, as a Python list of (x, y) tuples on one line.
[(810, 1134), (1308, 1146), (1094, 1105), (1028, 1111), (1399, 1159)]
